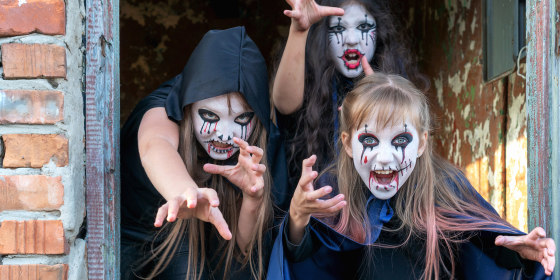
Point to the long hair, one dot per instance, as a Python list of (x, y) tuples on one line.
[(426, 204), (315, 118), (193, 230)]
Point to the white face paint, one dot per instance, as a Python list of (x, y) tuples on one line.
[(351, 36), (215, 124), (385, 158)]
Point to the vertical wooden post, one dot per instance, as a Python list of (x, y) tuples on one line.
[(543, 94), (102, 138)]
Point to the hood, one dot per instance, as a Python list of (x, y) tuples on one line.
[(224, 61)]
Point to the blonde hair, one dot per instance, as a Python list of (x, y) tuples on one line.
[(430, 208), (230, 204)]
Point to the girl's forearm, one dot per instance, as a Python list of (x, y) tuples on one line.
[(166, 169), (297, 224), (248, 215), (287, 91)]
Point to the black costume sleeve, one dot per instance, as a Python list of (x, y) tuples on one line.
[(301, 251)]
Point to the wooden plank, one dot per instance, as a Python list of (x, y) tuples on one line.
[(542, 110), (102, 139), (555, 129)]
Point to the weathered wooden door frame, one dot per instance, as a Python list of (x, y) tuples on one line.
[(543, 120), (102, 123), (102, 111)]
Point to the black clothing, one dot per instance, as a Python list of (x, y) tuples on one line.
[(224, 61)]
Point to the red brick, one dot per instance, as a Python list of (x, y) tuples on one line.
[(34, 272), (40, 16), (33, 61), (32, 237), (30, 192), (34, 150), (31, 106)]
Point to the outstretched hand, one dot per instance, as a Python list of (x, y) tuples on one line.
[(305, 13), (247, 174), (533, 246), (205, 210), (307, 200)]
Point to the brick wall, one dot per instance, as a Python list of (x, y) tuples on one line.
[(42, 203)]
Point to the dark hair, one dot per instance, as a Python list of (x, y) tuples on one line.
[(312, 135)]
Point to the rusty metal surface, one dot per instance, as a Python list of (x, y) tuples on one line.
[(102, 139), (475, 126)]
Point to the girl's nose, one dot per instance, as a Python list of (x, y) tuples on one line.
[(224, 133), (352, 37), (384, 156)]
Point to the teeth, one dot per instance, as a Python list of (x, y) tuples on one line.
[(383, 172)]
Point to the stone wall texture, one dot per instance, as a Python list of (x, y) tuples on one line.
[(42, 201)]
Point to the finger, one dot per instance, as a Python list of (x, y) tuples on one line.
[(256, 152), (160, 216), (330, 11), (190, 197), (316, 194), (551, 246), (216, 169), (294, 14), (218, 221), (326, 204), (306, 179), (337, 207), (173, 208), (508, 241), (308, 164), (365, 65), (210, 195), (242, 146), (259, 168), (551, 260), (257, 187)]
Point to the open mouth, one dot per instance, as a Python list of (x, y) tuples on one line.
[(383, 179), (220, 147), (352, 58)]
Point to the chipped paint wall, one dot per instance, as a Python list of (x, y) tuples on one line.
[(481, 127), (157, 37)]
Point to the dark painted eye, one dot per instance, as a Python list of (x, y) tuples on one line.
[(368, 140), (336, 29), (244, 118), (364, 27), (402, 140), (208, 116)]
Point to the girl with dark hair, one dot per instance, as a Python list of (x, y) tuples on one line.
[(339, 40), (405, 213), (193, 146)]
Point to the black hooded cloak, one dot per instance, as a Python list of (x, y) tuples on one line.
[(224, 61)]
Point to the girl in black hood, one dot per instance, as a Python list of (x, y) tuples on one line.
[(179, 149)]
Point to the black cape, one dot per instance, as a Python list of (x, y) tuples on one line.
[(339, 257)]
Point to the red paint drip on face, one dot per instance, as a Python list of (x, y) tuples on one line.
[(206, 126), (216, 125), (370, 179), (208, 148), (365, 160)]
